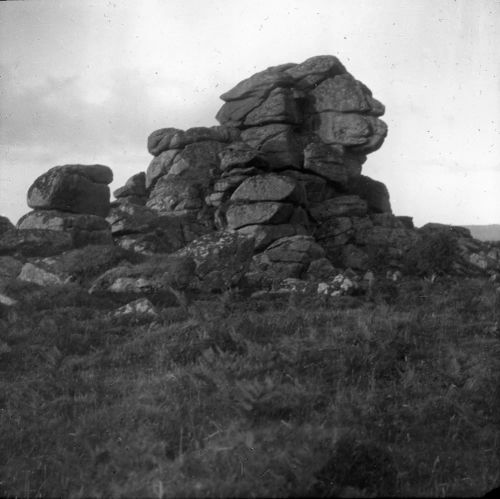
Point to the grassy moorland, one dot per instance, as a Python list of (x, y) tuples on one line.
[(396, 395)]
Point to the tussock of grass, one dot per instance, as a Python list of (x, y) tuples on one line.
[(394, 396)]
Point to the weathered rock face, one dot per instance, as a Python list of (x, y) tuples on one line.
[(286, 161), (173, 138), (73, 188), (83, 229), (314, 123), (298, 101), (274, 192)]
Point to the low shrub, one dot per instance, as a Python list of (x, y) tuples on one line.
[(432, 254)]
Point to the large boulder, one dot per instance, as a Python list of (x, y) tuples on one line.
[(173, 138), (264, 212), (73, 188), (278, 108), (359, 132), (269, 187), (83, 229)]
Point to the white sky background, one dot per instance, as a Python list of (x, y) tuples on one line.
[(88, 81)]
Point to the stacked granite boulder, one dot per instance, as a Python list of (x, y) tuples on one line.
[(283, 167), (164, 208), (305, 130), (72, 199)]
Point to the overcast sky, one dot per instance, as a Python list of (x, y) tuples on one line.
[(88, 81)]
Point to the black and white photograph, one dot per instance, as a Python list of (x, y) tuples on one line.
[(249, 248)]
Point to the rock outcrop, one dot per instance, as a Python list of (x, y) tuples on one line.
[(73, 199), (285, 161), (72, 188), (274, 195)]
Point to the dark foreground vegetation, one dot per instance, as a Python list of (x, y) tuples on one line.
[(393, 395)]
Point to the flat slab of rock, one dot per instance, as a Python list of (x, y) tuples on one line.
[(83, 229), (73, 188), (173, 138), (269, 187), (265, 212)]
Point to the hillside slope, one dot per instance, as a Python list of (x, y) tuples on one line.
[(394, 395)]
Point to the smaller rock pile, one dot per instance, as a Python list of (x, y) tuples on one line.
[(73, 199)]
